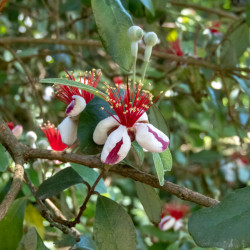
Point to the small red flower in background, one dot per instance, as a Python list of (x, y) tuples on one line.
[(65, 93), (53, 136), (16, 130), (172, 215), (175, 48), (240, 159), (118, 80), (215, 27)]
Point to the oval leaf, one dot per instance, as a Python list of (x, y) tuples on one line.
[(66, 178), (11, 226), (113, 22), (166, 159), (159, 167), (150, 201), (113, 228), (225, 225), (4, 158), (32, 240), (78, 85)]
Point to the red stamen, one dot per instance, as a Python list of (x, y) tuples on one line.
[(133, 104), (64, 93), (53, 136)]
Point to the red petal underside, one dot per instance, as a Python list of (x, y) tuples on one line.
[(113, 154)]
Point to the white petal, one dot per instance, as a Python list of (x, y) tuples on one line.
[(166, 223), (151, 138), (103, 127), (143, 118), (116, 146), (178, 225), (68, 131), (76, 106), (17, 131)]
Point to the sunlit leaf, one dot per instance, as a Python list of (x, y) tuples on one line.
[(113, 22), (72, 83), (159, 167)]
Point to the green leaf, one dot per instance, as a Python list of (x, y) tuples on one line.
[(234, 46), (66, 178), (32, 241), (88, 120), (139, 152), (78, 85), (156, 118), (159, 167), (113, 22), (86, 243), (11, 226), (166, 159), (150, 201), (164, 236), (58, 182), (149, 5), (4, 159), (113, 228), (89, 175), (225, 225)]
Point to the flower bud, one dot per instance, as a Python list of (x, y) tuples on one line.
[(150, 40), (135, 34), (31, 138)]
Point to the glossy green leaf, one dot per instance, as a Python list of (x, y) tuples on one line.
[(113, 228), (86, 243), (58, 182), (66, 178), (159, 167), (150, 201), (78, 85), (149, 5), (225, 225), (90, 175), (88, 120), (4, 159), (166, 159), (234, 46), (32, 241), (11, 226), (113, 22)]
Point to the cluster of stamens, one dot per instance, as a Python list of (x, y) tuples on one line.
[(129, 103), (64, 93)]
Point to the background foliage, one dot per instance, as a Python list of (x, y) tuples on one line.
[(201, 64)]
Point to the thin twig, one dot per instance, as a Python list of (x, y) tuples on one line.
[(84, 205)]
